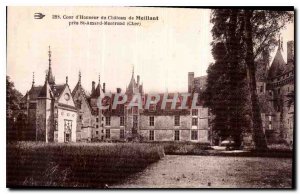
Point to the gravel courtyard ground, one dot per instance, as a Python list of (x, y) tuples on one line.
[(213, 172)]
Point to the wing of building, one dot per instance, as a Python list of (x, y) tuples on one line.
[(51, 110)]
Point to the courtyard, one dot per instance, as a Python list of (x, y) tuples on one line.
[(188, 171)]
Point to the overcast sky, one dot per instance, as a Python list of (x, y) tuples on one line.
[(162, 52)]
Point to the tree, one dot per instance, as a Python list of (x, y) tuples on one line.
[(13, 98), (261, 28), (246, 34), (225, 92)]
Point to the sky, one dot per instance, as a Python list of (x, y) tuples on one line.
[(162, 52)]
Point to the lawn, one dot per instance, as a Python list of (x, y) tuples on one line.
[(84, 165)]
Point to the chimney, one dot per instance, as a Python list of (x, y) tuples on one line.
[(93, 86), (290, 52), (190, 82), (138, 79), (118, 90), (104, 87)]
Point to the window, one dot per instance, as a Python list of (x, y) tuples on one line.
[(194, 121), (177, 120), (151, 121), (194, 135), (261, 89), (79, 104), (270, 122), (97, 132), (122, 134), (102, 118), (122, 109), (135, 118), (68, 130), (107, 133), (278, 91), (134, 131), (135, 110), (135, 125), (67, 137), (152, 107), (68, 126), (107, 121), (97, 126), (288, 89), (56, 126), (122, 121), (151, 135), (97, 119), (176, 135), (195, 112), (80, 117)]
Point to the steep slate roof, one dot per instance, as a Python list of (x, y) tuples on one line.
[(277, 66), (119, 111), (43, 91), (168, 109), (33, 93), (58, 89), (108, 101), (96, 93)]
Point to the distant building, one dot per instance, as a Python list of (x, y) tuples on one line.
[(274, 83)]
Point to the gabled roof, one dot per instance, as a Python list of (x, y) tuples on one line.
[(79, 88), (278, 65)]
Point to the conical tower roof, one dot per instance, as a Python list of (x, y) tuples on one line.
[(278, 64)]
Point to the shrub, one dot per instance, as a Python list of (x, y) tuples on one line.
[(76, 165)]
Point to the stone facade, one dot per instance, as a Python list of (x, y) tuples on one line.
[(57, 114)]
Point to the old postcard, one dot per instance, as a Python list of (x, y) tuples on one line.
[(150, 97)]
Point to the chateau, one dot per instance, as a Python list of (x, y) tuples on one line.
[(56, 113)]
